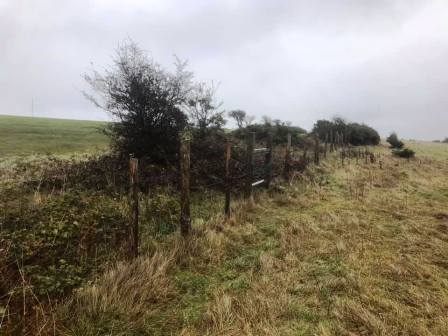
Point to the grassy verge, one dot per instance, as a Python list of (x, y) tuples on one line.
[(352, 250)]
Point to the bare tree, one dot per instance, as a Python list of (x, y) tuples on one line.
[(203, 109), (267, 120), (248, 120), (239, 116)]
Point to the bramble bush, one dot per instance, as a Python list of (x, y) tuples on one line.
[(403, 153), (55, 243)]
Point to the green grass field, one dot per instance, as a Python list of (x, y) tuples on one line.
[(23, 136)]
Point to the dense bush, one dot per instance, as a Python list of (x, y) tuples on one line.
[(404, 153), (394, 141), (360, 135), (278, 129), (145, 101), (352, 133)]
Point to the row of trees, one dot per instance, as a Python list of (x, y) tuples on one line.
[(277, 128), (351, 133), (152, 106)]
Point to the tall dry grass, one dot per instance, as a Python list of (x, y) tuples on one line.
[(343, 250)]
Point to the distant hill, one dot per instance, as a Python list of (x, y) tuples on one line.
[(22, 136)]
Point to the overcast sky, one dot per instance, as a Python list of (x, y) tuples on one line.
[(382, 62)]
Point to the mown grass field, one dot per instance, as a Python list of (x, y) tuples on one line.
[(23, 136)]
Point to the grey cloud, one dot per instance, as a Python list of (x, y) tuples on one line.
[(377, 61)]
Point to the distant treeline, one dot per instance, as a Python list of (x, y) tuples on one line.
[(152, 106), (277, 128), (351, 133)]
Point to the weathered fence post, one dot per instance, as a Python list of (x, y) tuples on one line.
[(133, 227), (366, 157), (185, 220), (326, 146), (287, 167), (316, 150), (227, 177), (268, 161), (250, 164), (331, 141)]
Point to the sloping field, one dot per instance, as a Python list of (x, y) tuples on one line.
[(22, 136), (352, 250)]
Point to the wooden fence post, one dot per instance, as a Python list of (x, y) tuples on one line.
[(185, 220), (133, 227), (268, 161), (227, 178), (287, 167), (331, 141), (250, 164), (326, 146), (316, 150)]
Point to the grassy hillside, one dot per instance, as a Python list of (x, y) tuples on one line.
[(352, 250), (343, 250), (22, 136)]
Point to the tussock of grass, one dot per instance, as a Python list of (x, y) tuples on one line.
[(124, 295), (128, 287)]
